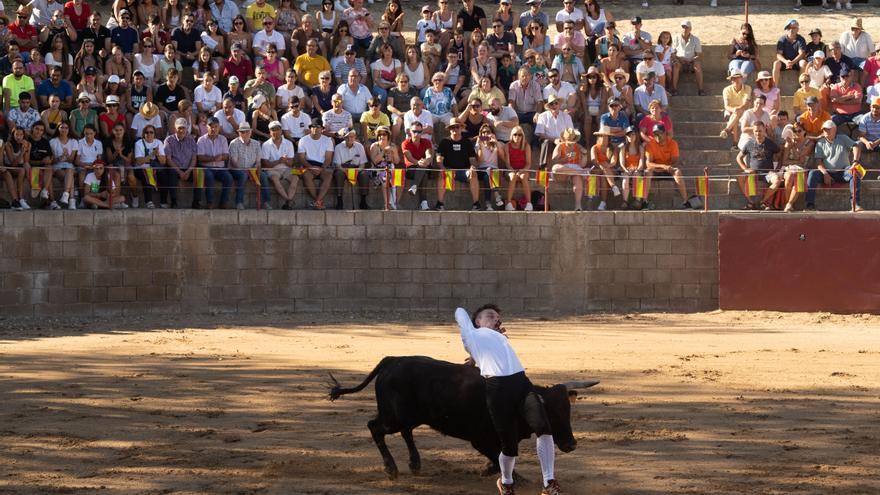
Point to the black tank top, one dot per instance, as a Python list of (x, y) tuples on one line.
[(138, 98)]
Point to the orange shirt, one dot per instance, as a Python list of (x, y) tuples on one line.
[(662, 153), (813, 126)]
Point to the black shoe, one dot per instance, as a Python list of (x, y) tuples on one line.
[(286, 205), (810, 207), (475, 206), (196, 205), (174, 205), (339, 205), (363, 205), (440, 206)]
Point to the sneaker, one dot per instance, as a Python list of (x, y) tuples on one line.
[(509, 207), (163, 206), (286, 205), (121, 206), (44, 194), (645, 5), (498, 201), (837, 6), (424, 205), (150, 205), (267, 206), (489, 206), (615, 190), (602, 206), (686, 205), (529, 207), (135, 202), (310, 204), (239, 206), (413, 189), (788, 208), (339, 204), (71, 205), (392, 205), (23, 204), (54, 206), (552, 488), (440, 206), (65, 198), (848, 6), (475, 206), (858, 209), (505, 489)]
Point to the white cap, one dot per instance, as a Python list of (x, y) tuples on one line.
[(114, 79), (686, 23), (818, 54), (233, 80), (828, 124), (180, 123), (112, 99)]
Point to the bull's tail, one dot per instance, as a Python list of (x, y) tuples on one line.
[(337, 391)]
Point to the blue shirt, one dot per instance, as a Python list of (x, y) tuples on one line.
[(47, 89), (621, 122), (870, 127), (790, 49)]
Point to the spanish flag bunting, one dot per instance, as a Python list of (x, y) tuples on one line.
[(592, 185), (297, 171), (351, 174), (542, 177), (449, 179), (35, 178), (751, 185), (255, 176), (151, 177), (639, 187), (199, 178), (800, 182), (858, 168), (494, 179), (397, 177), (702, 186)]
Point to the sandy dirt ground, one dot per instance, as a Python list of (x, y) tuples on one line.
[(712, 403)]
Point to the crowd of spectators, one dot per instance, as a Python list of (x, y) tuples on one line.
[(123, 110)]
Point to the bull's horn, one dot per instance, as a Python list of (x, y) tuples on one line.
[(582, 384)]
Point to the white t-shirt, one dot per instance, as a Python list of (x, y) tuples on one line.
[(58, 149), (50, 61), (817, 76), (93, 184), (425, 118), (505, 115), (274, 153), (565, 90), (139, 122), (296, 126), (210, 99), (657, 68), (142, 149), (225, 127), (355, 155), (490, 349), (262, 41), (575, 16), (88, 153), (335, 121), (314, 149), (285, 94)]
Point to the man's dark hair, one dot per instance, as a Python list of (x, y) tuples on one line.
[(482, 308), (781, 113)]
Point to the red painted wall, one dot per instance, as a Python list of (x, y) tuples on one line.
[(800, 263)]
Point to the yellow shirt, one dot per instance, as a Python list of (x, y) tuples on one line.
[(800, 97), (734, 98), (373, 123), (17, 86), (257, 14), (486, 98), (308, 68)]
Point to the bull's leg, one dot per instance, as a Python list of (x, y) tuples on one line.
[(379, 431), (491, 467), (415, 460)]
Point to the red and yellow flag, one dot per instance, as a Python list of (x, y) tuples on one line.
[(151, 177), (397, 176), (800, 181), (639, 187), (860, 170), (351, 174), (702, 186), (199, 178), (751, 185), (255, 176), (449, 179), (494, 178), (542, 178), (35, 178), (592, 185)]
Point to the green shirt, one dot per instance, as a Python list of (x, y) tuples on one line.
[(834, 155), (78, 121), (16, 86)]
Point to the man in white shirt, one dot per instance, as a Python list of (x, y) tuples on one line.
[(337, 118), (418, 113), (686, 54), (510, 396), (569, 12), (551, 123), (42, 11), (350, 154), (295, 123), (561, 89), (502, 118), (315, 157), (264, 37), (354, 95), (277, 158), (230, 118)]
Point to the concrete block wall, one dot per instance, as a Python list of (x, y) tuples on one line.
[(106, 263)]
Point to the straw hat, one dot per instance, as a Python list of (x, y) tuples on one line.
[(551, 100), (857, 24), (620, 72), (149, 110), (734, 74), (763, 75), (571, 134)]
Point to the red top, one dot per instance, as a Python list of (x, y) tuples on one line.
[(79, 21), (418, 151), (517, 157), (23, 33), (105, 118)]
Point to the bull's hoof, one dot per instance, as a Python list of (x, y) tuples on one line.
[(491, 468), (391, 472), (415, 469)]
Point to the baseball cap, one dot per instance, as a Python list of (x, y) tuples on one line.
[(114, 79), (180, 123), (316, 122), (686, 23), (812, 100), (91, 71), (112, 99), (635, 20), (244, 127), (233, 79), (274, 125), (875, 102), (791, 23), (818, 54), (828, 124), (83, 97), (427, 8), (613, 101)]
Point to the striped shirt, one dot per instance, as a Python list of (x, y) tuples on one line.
[(243, 155), (870, 127)]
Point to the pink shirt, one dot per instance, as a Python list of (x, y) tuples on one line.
[(871, 66), (576, 40), (839, 90), (647, 125)]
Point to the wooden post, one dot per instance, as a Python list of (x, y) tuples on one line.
[(747, 11), (706, 197)]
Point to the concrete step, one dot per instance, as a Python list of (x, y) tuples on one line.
[(695, 115), (709, 143), (711, 101), (697, 128), (712, 157)]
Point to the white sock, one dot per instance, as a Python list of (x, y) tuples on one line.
[(506, 468), (547, 456)]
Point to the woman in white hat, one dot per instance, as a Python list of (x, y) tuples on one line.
[(111, 117), (618, 88), (764, 85), (570, 161), (604, 161)]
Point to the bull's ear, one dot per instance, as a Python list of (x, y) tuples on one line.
[(572, 396)]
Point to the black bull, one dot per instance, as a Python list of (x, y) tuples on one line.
[(450, 398)]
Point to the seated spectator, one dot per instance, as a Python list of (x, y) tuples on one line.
[(350, 154), (570, 14), (635, 43), (570, 161), (537, 67), (856, 43), (871, 68), (23, 115), (486, 91), (869, 129), (562, 90), (833, 164), (661, 159), (315, 156), (322, 94), (98, 189), (418, 158), (500, 40), (306, 32), (799, 103), (295, 123), (519, 158), (230, 119), (473, 119), (743, 52), (148, 115), (15, 84), (267, 37), (310, 64), (816, 70), (646, 93), (349, 62), (791, 50), (647, 66), (213, 154), (766, 87), (846, 98), (336, 119), (619, 88), (568, 65), (615, 121), (415, 70), (759, 157), (483, 64), (872, 92), (525, 96), (813, 118), (149, 152), (288, 90), (245, 155), (737, 99), (816, 44), (385, 70), (374, 52), (502, 118), (64, 150), (237, 65), (431, 51), (438, 99), (264, 113), (372, 119), (531, 16), (571, 37), (455, 77), (550, 125), (535, 38), (55, 85), (604, 43), (278, 159), (686, 55), (457, 153), (603, 162), (655, 116), (747, 122), (837, 61), (506, 73), (385, 155), (632, 165), (355, 96), (181, 153), (417, 113), (53, 116)]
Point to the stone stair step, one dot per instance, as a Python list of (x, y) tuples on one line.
[(697, 128), (686, 142), (696, 115)]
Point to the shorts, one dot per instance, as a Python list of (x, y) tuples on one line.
[(282, 172), (663, 174), (62, 166)]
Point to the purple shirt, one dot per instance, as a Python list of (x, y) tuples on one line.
[(213, 147), (180, 152)]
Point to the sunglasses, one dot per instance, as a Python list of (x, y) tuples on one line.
[(324, 78), (619, 78), (416, 131), (238, 23), (148, 132)]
